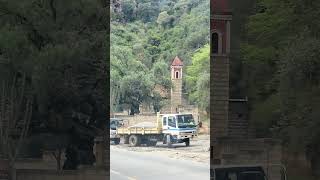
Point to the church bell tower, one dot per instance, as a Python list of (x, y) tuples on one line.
[(220, 22), (230, 140), (176, 79)]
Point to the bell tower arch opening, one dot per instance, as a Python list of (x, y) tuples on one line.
[(216, 42), (177, 75)]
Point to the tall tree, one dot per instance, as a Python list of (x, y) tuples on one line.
[(60, 46), (15, 116)]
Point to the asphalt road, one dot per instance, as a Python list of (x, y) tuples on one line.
[(129, 165)]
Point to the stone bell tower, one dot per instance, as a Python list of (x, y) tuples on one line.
[(229, 138), (220, 20), (220, 49), (176, 79)]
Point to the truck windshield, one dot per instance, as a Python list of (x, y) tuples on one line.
[(186, 121), (115, 123)]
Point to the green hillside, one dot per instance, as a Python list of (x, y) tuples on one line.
[(145, 36)]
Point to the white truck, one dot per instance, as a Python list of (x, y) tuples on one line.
[(169, 129), (114, 124)]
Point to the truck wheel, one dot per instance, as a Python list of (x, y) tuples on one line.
[(169, 143), (117, 141), (134, 140), (187, 142), (126, 140)]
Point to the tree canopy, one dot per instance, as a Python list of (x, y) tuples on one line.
[(280, 73), (59, 46), (145, 37)]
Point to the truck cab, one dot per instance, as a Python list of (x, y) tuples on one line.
[(114, 124), (178, 128)]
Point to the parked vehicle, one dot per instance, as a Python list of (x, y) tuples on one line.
[(248, 172), (169, 129), (114, 124)]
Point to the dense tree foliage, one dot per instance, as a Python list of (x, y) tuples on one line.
[(59, 45), (198, 78), (145, 37), (280, 70)]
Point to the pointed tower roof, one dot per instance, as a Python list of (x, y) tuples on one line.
[(177, 62)]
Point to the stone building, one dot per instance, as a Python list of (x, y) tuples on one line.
[(231, 139), (220, 62), (176, 89)]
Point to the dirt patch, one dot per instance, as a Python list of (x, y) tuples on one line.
[(198, 150)]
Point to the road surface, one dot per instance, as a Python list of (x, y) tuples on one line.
[(129, 165)]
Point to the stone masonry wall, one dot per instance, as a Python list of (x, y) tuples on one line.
[(219, 101), (176, 94), (264, 152)]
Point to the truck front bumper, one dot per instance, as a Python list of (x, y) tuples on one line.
[(182, 136), (114, 136), (186, 135)]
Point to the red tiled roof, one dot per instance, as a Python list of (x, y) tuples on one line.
[(177, 62)]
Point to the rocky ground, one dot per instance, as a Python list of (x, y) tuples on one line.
[(198, 150)]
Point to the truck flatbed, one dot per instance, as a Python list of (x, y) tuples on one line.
[(139, 130)]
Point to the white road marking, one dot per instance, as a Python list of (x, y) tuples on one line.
[(115, 172), (118, 173), (130, 178)]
